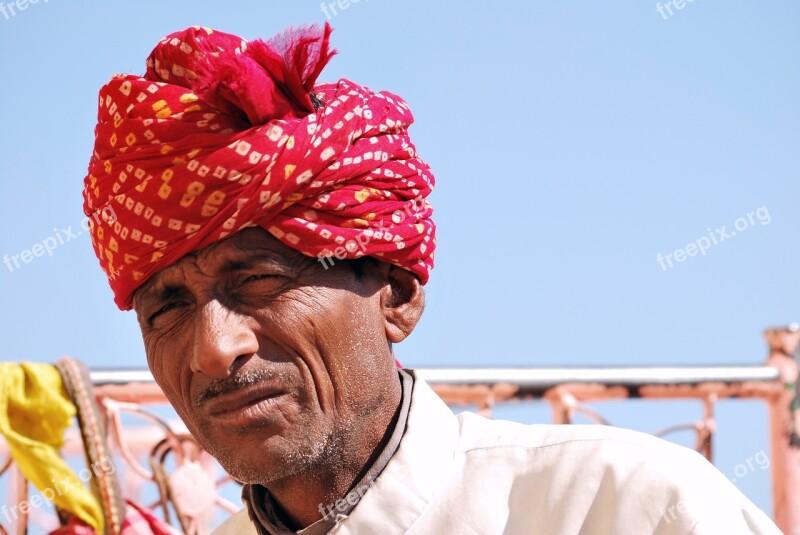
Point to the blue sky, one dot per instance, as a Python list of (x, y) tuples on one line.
[(572, 143)]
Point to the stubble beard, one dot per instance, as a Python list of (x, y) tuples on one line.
[(308, 456)]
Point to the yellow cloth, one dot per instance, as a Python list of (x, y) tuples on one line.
[(34, 412)]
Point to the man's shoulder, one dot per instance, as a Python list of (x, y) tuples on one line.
[(478, 432), (572, 448), (664, 483)]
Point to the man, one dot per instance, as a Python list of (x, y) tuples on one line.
[(273, 236)]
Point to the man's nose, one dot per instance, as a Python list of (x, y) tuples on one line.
[(221, 336)]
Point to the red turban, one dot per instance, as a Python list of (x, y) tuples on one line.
[(221, 134)]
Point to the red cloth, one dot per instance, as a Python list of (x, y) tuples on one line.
[(221, 134), (138, 521)]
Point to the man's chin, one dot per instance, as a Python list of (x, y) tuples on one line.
[(254, 458), (249, 462), (263, 473)]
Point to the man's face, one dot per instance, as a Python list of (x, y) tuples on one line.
[(273, 362)]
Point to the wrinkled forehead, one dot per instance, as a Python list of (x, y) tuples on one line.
[(244, 248), (249, 241)]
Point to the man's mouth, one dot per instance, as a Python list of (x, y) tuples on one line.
[(244, 406)]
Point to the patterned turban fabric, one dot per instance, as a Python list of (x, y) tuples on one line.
[(222, 134)]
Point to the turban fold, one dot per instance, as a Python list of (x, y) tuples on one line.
[(222, 134)]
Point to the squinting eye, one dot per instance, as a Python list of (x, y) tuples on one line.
[(164, 309), (258, 277)]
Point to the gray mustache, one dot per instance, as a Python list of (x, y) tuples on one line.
[(232, 384)]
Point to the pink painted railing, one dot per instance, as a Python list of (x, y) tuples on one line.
[(160, 466)]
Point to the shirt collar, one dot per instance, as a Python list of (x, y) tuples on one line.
[(417, 473)]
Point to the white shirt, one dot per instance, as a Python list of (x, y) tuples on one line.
[(467, 475)]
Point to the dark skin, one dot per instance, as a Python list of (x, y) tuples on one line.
[(281, 368)]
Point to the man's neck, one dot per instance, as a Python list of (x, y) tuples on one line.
[(301, 497)]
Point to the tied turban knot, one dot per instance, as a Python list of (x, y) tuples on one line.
[(221, 134)]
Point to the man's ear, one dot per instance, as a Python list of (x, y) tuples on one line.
[(402, 302)]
